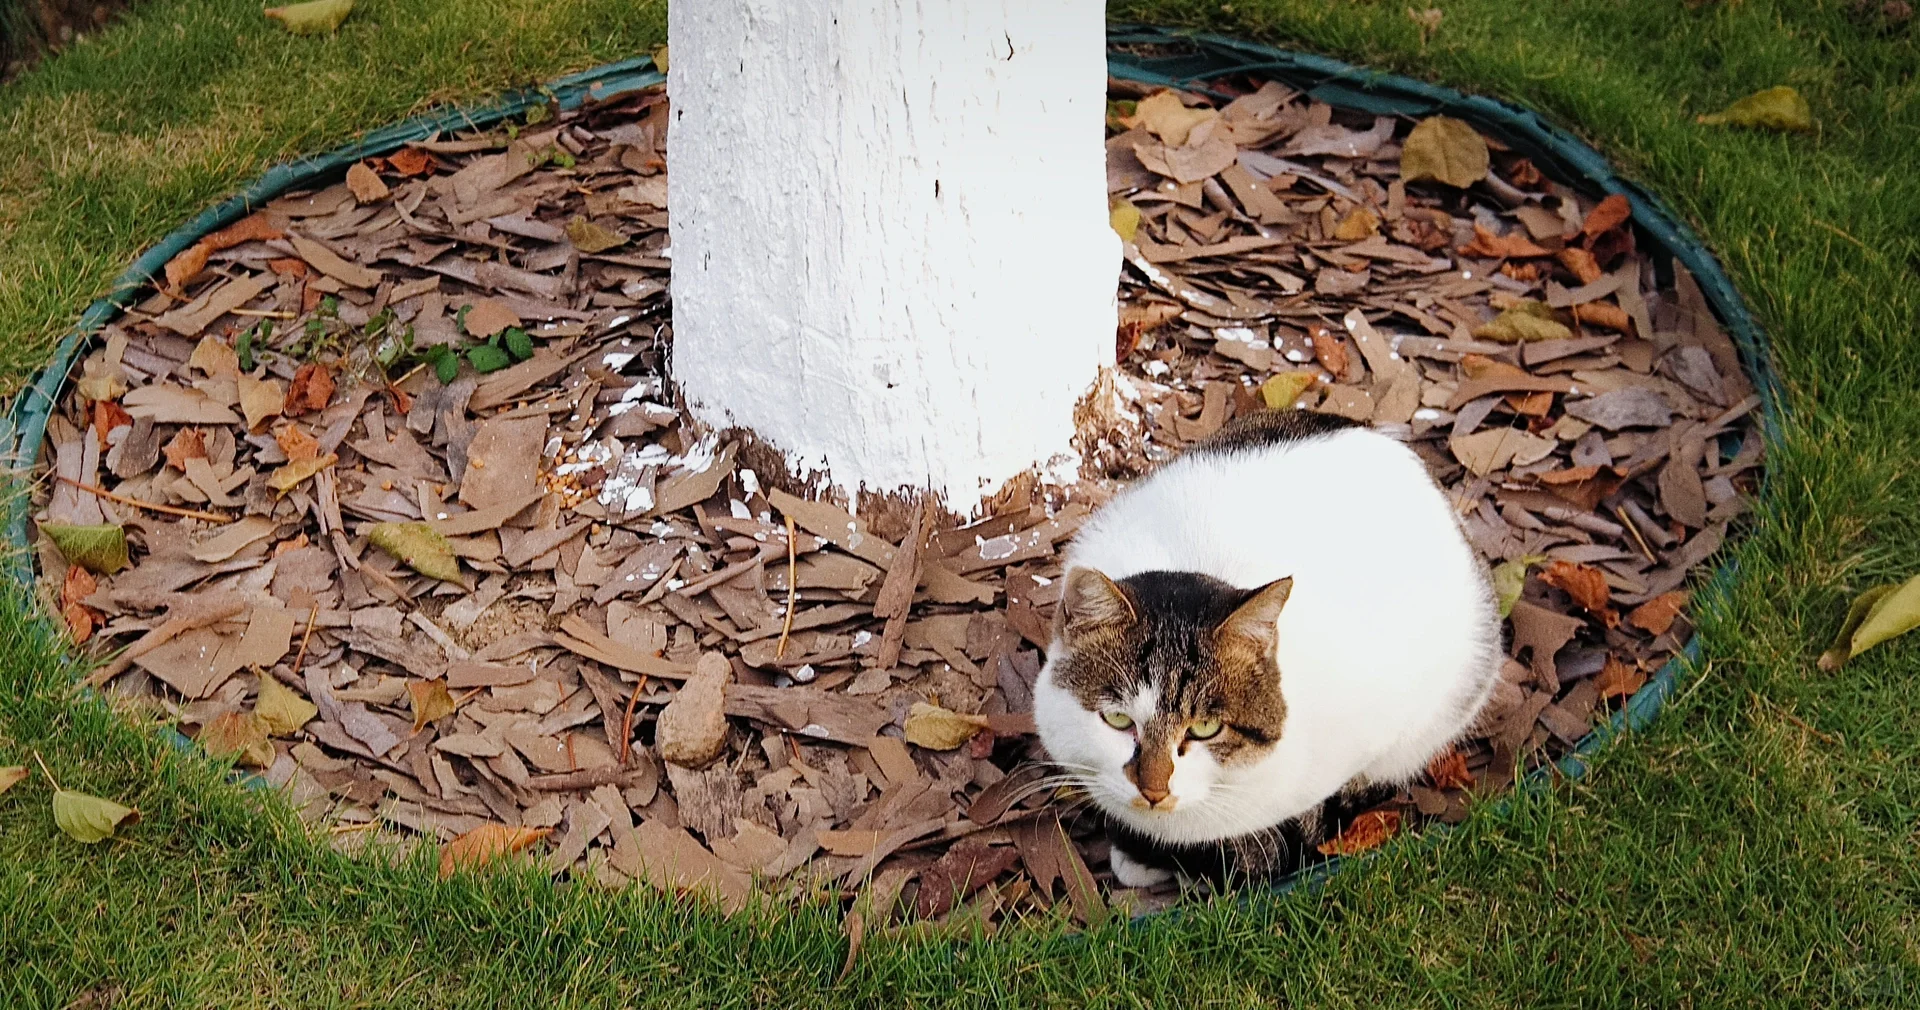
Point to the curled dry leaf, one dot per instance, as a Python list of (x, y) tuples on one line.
[(12, 775), (1165, 116), (590, 238), (1368, 831), (1524, 321), (419, 547), (296, 444), (1617, 679), (1514, 244), (186, 444), (1449, 770), (1657, 615), (484, 844), (1607, 215), (1280, 392), (937, 728), (365, 183), (89, 819), (1510, 577), (1445, 150), (289, 477), (80, 618)]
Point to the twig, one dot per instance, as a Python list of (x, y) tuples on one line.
[(586, 778), (793, 591), (313, 612), (626, 725), (44, 771), (1635, 530), (137, 503)]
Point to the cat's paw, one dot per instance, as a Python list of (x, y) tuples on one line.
[(1135, 874)]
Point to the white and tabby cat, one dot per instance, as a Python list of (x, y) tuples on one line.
[(1283, 616)]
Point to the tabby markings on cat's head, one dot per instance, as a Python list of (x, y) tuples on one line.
[(1176, 685)]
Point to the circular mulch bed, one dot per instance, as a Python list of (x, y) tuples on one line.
[(416, 529)]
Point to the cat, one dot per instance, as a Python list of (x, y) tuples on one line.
[(1271, 632)]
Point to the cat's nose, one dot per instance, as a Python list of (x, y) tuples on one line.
[(1155, 795)]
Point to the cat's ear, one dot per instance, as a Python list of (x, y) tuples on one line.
[(1254, 620), (1092, 601)]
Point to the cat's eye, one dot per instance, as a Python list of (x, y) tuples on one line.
[(1118, 720), (1204, 729)]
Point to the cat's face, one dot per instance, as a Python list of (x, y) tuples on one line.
[(1160, 694)]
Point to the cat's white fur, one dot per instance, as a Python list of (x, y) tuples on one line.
[(1387, 646)]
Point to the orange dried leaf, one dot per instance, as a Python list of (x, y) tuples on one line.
[(186, 265), (1584, 486), (1449, 771), (1657, 615), (310, 390), (79, 620), (296, 443), (1618, 680), (485, 843), (1329, 350), (108, 415), (410, 161), (1587, 586), (1368, 831), (1607, 215), (430, 701), (186, 444), (1604, 314), (253, 228), (289, 266), (1581, 263), (1514, 244)]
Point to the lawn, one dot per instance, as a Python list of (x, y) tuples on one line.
[(1757, 845)]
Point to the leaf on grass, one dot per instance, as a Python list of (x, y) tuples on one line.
[(281, 709), (90, 819), (318, 17), (12, 775), (101, 549), (1509, 577), (242, 735), (1879, 614), (937, 728), (1368, 831), (419, 547), (1125, 218), (366, 183), (1282, 390), (485, 843), (1780, 108), (1524, 321), (1446, 150), (430, 701), (289, 477), (590, 238)]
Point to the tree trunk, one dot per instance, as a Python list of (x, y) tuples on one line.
[(891, 255)]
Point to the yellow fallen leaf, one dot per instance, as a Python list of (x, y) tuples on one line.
[(660, 59), (238, 734), (937, 728), (1779, 108), (1282, 390), (419, 547), (316, 18), (289, 477), (1446, 150), (430, 701), (1509, 578), (1879, 614), (283, 711), (1125, 218), (98, 548), (11, 776), (1524, 321), (1357, 225), (484, 843), (89, 819)]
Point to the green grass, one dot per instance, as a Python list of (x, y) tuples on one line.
[(1756, 846)]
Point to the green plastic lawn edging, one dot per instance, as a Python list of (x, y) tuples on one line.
[(1185, 60)]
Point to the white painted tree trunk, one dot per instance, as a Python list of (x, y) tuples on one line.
[(891, 255)]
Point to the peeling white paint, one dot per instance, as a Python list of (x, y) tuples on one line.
[(891, 250)]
